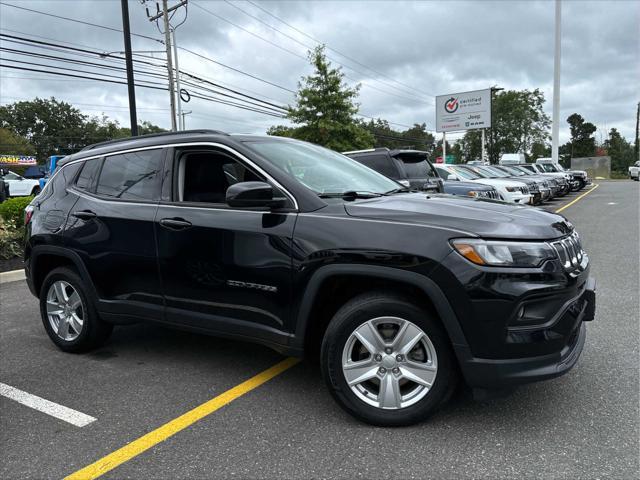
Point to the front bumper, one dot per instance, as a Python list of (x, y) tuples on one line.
[(517, 197), (568, 324)]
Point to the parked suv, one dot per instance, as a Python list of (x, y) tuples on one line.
[(410, 168), (281, 242)]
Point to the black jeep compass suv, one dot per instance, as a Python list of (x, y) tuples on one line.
[(294, 246)]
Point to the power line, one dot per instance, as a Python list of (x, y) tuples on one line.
[(330, 58), (49, 45), (333, 49), (78, 21), (250, 32), (306, 46), (100, 79)]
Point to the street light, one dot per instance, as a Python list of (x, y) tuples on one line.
[(495, 88)]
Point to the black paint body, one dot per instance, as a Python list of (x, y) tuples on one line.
[(258, 274)]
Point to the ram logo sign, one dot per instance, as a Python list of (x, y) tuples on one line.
[(463, 111)]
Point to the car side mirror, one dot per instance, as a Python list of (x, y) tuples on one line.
[(452, 176), (253, 194)]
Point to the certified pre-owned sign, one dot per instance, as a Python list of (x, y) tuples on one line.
[(463, 111)]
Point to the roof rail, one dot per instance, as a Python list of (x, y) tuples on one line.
[(152, 135), (368, 150)]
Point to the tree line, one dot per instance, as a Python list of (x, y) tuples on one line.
[(45, 127)]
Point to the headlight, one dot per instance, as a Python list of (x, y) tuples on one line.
[(473, 193), (512, 189), (498, 253)]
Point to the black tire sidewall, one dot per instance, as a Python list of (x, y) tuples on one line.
[(365, 308), (92, 325)]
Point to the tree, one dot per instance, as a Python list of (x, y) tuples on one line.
[(518, 122), (49, 125), (55, 127), (538, 150), (415, 137), (325, 109), (583, 144), (620, 150), (12, 144), (469, 146)]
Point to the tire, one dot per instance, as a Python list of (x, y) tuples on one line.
[(35, 191), (92, 330), (360, 400)]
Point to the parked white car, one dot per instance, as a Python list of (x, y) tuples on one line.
[(510, 190), (20, 186), (634, 171)]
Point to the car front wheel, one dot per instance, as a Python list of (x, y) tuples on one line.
[(387, 361)]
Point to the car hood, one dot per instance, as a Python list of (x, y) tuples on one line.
[(500, 182), (464, 215), (481, 187)]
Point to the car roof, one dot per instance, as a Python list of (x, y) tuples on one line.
[(150, 140)]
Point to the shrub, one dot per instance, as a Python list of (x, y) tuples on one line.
[(10, 240), (12, 210)]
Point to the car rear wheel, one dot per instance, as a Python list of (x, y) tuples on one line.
[(387, 361), (35, 191), (68, 314)]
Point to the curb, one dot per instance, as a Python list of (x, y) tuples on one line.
[(12, 276)]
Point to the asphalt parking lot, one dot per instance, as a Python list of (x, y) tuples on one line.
[(585, 424)]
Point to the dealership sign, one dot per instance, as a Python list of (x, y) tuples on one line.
[(463, 111), (9, 160)]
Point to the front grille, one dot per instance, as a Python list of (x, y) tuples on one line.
[(570, 251), (491, 194), (534, 188), (524, 190)]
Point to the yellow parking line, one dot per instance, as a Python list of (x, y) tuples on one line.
[(169, 429), (576, 199)]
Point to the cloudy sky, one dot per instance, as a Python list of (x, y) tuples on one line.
[(403, 53)]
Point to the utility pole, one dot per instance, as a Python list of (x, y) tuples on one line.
[(637, 144), (129, 62), (175, 55), (164, 14), (484, 153), (555, 132)]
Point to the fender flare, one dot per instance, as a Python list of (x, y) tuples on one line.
[(39, 250), (425, 284)]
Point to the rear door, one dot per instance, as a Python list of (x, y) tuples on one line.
[(111, 227), (223, 270)]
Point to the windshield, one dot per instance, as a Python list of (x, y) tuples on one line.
[(320, 169), (465, 173), (514, 171), (549, 167)]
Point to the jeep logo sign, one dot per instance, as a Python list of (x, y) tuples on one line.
[(463, 111)]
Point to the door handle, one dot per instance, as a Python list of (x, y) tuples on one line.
[(84, 214), (175, 223)]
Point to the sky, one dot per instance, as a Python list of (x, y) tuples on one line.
[(401, 53)]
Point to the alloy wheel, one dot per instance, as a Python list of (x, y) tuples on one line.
[(389, 363), (65, 310)]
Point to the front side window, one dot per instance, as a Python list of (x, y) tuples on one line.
[(132, 176), (205, 176), (321, 170)]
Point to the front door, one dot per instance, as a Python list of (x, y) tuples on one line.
[(224, 270)]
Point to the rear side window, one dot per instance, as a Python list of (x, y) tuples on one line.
[(420, 169), (88, 174), (381, 164), (131, 176)]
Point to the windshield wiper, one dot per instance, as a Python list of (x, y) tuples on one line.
[(352, 194), (400, 190)]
